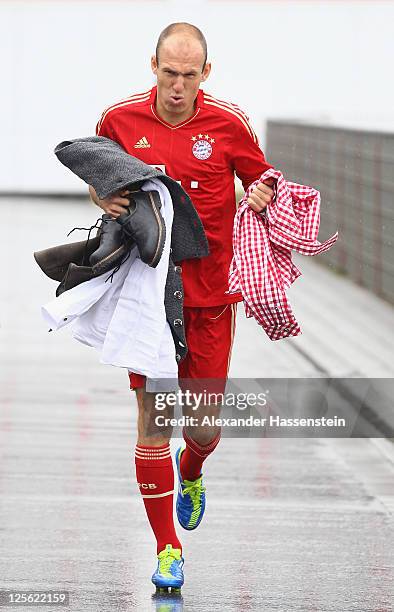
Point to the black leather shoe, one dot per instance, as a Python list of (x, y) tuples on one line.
[(113, 246), (54, 261), (74, 276), (144, 224)]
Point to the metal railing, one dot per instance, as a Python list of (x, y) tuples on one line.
[(354, 172)]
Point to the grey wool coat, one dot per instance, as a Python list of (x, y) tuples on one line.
[(105, 165)]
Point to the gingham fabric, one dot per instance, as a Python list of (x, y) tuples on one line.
[(262, 267)]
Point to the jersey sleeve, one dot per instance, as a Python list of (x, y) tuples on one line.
[(248, 159), (104, 127)]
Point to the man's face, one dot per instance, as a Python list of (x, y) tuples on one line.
[(179, 74)]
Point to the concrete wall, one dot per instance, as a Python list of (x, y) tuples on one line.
[(354, 171)]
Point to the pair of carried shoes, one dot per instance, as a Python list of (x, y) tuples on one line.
[(142, 224)]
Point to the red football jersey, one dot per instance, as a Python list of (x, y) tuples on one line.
[(202, 153)]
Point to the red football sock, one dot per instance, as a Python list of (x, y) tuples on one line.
[(155, 478), (194, 456)]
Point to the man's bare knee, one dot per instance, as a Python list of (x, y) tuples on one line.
[(203, 434)]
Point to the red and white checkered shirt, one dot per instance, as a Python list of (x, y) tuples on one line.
[(262, 267)]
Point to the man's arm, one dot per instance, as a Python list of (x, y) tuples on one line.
[(249, 164)]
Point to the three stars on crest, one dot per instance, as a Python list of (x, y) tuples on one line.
[(205, 136)]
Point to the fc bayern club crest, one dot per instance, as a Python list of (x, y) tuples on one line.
[(202, 146)]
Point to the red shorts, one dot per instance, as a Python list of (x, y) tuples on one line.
[(209, 335)]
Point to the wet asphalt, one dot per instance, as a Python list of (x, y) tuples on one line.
[(291, 524)]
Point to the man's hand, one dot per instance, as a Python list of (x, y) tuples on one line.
[(261, 195), (114, 205)]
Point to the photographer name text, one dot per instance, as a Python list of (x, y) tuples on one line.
[(271, 421)]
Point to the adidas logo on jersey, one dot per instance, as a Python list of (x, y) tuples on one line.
[(142, 143)]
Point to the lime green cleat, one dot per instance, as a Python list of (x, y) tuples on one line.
[(169, 572)]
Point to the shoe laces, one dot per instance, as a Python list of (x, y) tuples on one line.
[(166, 558), (194, 488), (89, 230), (111, 276)]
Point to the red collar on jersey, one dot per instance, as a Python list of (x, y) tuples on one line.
[(152, 100)]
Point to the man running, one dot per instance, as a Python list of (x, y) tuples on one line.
[(201, 142)]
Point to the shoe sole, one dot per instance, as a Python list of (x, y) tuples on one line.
[(162, 234), (178, 585)]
